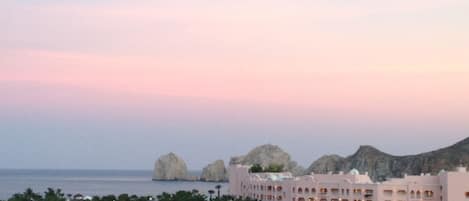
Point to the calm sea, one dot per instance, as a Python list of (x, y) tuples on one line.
[(94, 182)]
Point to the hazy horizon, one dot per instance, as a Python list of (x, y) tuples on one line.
[(116, 84)]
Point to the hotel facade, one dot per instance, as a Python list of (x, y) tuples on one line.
[(351, 186)]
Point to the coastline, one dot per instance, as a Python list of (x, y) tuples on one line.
[(94, 182)]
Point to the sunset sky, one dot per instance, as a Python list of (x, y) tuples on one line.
[(114, 84)]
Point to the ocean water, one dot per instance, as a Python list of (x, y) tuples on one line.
[(94, 182)]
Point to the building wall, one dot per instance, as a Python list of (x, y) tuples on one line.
[(424, 187), (237, 175), (456, 185), (448, 186)]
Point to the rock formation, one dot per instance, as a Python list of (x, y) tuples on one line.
[(215, 171), (326, 163), (381, 165), (266, 155), (170, 167)]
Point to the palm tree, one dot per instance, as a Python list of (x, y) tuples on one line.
[(29, 194), (218, 187), (210, 192)]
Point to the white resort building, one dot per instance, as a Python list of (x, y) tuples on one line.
[(351, 186)]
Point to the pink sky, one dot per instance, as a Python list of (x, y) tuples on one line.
[(379, 61)]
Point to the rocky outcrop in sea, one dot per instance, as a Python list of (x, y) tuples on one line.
[(214, 172), (170, 167)]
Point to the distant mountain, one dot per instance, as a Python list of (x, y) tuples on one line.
[(380, 165)]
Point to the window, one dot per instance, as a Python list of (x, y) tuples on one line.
[(335, 191), (357, 191), (279, 188), (467, 194), (401, 192), (323, 190), (428, 194)]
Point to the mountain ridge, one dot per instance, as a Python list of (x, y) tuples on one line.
[(381, 165)]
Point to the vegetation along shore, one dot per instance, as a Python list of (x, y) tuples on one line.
[(58, 195)]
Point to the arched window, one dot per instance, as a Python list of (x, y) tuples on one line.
[(418, 195), (306, 190), (300, 190), (412, 194)]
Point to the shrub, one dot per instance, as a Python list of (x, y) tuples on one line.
[(256, 168)]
